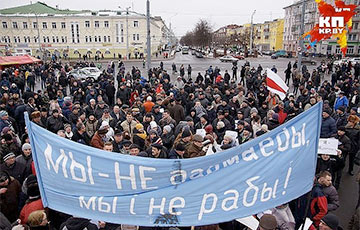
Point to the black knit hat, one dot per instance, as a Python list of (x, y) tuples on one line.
[(331, 220)]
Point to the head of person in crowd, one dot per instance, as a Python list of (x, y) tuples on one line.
[(326, 113), (26, 149), (108, 146), (61, 133), (186, 135), (9, 159), (4, 115), (4, 179), (134, 150), (167, 129), (353, 121), (325, 178), (156, 149), (37, 220), (267, 222), (129, 117), (198, 140), (329, 222), (35, 116), (180, 149)]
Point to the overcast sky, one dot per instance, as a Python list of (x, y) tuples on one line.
[(183, 14)]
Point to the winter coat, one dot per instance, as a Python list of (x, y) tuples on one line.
[(97, 141), (173, 155), (4, 222), (25, 160), (193, 150), (332, 197), (128, 127), (284, 218), (90, 128), (29, 208), (340, 120), (318, 205), (17, 170), (75, 223), (328, 127), (341, 102), (54, 124), (9, 200), (332, 165), (177, 112)]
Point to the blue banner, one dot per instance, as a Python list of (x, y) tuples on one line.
[(268, 171)]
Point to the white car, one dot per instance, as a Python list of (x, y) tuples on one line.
[(85, 73), (95, 72), (355, 60), (340, 62), (228, 59)]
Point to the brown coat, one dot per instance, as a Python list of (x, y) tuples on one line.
[(193, 151), (9, 201), (97, 141)]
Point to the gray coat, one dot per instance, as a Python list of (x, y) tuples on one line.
[(332, 197)]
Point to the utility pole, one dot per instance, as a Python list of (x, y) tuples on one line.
[(148, 38), (38, 34), (251, 32), (127, 32), (301, 41)]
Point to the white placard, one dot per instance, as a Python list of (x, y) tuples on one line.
[(328, 146), (250, 222), (201, 132), (308, 223), (232, 134)]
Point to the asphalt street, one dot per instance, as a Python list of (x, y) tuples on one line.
[(348, 191)]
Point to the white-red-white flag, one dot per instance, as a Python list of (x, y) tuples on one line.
[(275, 84)]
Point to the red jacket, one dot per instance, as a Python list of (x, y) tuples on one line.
[(318, 205), (29, 208)]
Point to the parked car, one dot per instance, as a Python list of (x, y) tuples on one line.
[(342, 61), (355, 60), (238, 56), (281, 53), (268, 53), (185, 50), (308, 61), (228, 58), (92, 73), (199, 54)]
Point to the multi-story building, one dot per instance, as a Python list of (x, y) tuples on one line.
[(292, 24), (268, 36), (38, 29)]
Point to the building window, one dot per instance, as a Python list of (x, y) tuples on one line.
[(53, 25), (95, 38), (136, 23), (15, 25), (122, 39), (44, 25), (53, 39), (89, 38), (134, 37), (108, 38), (25, 25), (138, 37), (62, 39), (99, 38), (86, 39), (104, 38), (4, 24), (350, 50), (87, 23), (106, 24), (44, 39), (63, 26), (35, 25), (35, 39), (96, 24)]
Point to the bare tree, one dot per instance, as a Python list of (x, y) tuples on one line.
[(200, 36)]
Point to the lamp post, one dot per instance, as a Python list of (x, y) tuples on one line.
[(148, 38), (251, 32)]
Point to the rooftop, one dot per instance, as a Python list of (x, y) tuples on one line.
[(37, 8)]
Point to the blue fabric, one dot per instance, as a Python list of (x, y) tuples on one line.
[(268, 171)]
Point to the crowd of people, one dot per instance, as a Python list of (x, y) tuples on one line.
[(153, 115)]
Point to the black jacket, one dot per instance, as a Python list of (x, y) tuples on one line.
[(74, 223)]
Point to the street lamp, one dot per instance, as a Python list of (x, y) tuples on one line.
[(251, 32), (127, 31)]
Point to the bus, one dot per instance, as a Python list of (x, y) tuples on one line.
[(185, 50)]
